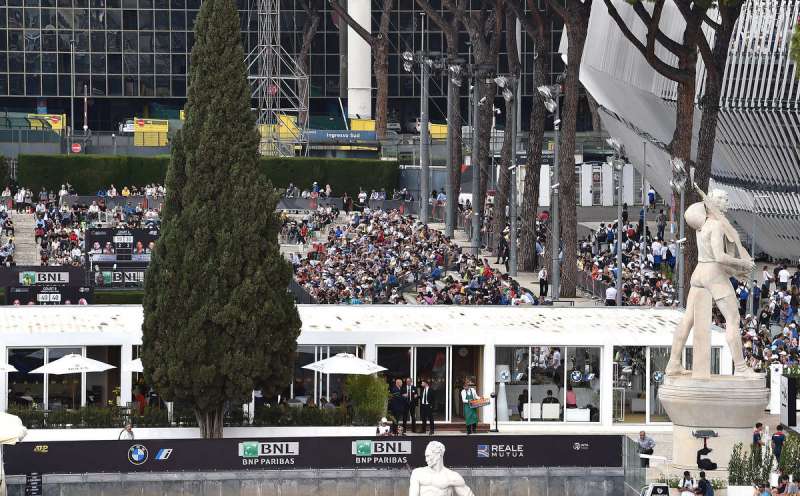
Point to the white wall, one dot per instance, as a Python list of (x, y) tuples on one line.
[(586, 185), (627, 185), (359, 67), (544, 186), (607, 198)]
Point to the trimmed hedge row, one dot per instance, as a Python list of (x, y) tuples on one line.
[(90, 173)]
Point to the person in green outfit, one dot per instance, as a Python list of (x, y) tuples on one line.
[(470, 414)]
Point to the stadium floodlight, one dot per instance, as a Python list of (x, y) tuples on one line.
[(508, 95), (550, 105), (407, 66), (408, 56), (501, 81)]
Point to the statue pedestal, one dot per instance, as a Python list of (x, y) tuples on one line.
[(727, 405)]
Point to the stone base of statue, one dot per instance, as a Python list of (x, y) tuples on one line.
[(727, 405)]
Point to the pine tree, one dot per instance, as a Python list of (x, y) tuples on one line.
[(218, 320)]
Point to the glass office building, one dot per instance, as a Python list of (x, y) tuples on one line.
[(131, 57)]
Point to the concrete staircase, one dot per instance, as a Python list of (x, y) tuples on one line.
[(27, 251)]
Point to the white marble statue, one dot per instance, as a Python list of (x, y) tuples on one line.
[(720, 255), (436, 479)]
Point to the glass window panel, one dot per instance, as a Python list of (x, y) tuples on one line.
[(64, 18), (97, 4), (146, 42), (179, 64), (146, 63), (130, 42), (147, 86), (547, 382), (131, 86), (162, 64), (33, 62), (178, 20), (49, 62), (130, 20), (514, 366), (49, 85), (33, 40), (33, 85), (193, 4), (178, 42), (98, 63), (64, 63), (48, 3), (114, 19), (64, 391), (630, 383), (3, 62), (98, 85), (113, 4), (98, 19), (178, 86), (16, 84), (81, 18), (16, 40), (161, 19), (2, 16), (98, 40), (161, 4), (145, 4), (49, 42), (81, 3), (114, 86), (397, 361), (162, 86), (82, 41), (64, 85), (82, 63), (191, 17), (114, 63), (31, 3), (25, 389), (303, 379), (583, 384), (129, 4), (145, 19), (15, 18), (659, 356), (63, 41), (114, 41), (82, 84), (16, 62), (177, 4), (3, 84), (32, 18), (432, 368), (3, 40), (130, 63), (162, 42), (189, 41)]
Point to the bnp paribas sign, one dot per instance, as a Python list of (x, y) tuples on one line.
[(33, 278), (266, 453)]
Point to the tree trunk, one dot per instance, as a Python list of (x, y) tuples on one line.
[(576, 32), (457, 149), (381, 68), (502, 195), (486, 115), (530, 192), (210, 423)]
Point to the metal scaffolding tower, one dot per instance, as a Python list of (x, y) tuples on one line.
[(278, 85)]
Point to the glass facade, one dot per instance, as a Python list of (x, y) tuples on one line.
[(550, 383)]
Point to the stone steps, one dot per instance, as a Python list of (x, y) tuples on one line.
[(27, 250)]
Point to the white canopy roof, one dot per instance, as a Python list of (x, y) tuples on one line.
[(98, 325)]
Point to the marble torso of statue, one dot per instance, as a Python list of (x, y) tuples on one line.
[(436, 479)]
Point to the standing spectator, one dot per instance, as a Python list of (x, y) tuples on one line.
[(651, 197), (410, 397), (646, 447), (396, 401), (470, 414), (661, 223), (777, 442), (767, 280), (544, 282), (126, 434), (756, 297), (611, 296), (426, 398), (758, 440), (704, 487), (686, 485), (783, 278)]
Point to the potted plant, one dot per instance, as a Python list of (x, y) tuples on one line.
[(745, 469)]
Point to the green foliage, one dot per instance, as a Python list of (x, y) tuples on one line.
[(794, 50), (790, 455), (746, 468), (90, 173), (218, 321), (285, 416), (673, 482), (368, 395), (89, 417), (118, 297)]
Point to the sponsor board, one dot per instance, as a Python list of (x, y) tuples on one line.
[(269, 453), (388, 452), (500, 451)]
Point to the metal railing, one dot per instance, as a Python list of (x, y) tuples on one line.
[(592, 286), (635, 474)]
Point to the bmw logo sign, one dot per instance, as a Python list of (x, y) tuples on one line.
[(137, 454), (576, 376), (658, 376)]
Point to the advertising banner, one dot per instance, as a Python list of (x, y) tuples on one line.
[(115, 245), (35, 275), (121, 277), (49, 295), (178, 455)]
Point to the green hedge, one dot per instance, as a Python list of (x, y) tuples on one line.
[(90, 173), (118, 297)]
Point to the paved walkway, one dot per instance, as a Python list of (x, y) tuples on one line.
[(27, 251)]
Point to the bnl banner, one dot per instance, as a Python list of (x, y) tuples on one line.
[(178, 455)]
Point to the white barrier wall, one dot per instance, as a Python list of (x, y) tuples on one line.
[(607, 198), (359, 70), (627, 184), (586, 185), (544, 186)]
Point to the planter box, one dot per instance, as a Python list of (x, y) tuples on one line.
[(740, 491)]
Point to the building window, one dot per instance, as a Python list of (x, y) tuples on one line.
[(26, 389), (63, 391)]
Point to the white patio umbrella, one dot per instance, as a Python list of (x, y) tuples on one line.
[(345, 363), (135, 366), (4, 368), (72, 364), (11, 432)]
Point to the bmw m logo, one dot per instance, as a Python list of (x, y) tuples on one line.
[(137, 454)]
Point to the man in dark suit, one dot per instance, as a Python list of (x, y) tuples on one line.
[(410, 398), (426, 397), (396, 401)]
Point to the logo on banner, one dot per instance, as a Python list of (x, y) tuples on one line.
[(580, 446), (274, 453), (500, 451), (163, 454), (137, 454), (30, 278), (381, 452)]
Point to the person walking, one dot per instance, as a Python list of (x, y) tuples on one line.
[(410, 405), (777, 442), (468, 393), (661, 223), (646, 447), (758, 440), (544, 282), (686, 485), (426, 398)]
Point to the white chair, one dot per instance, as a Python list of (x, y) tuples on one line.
[(532, 411), (551, 411), (577, 415)]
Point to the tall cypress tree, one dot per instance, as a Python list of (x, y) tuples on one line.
[(218, 321)]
